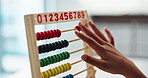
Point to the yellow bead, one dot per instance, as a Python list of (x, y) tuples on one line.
[(69, 65), (42, 75), (52, 72), (49, 73), (55, 71), (45, 74), (64, 67), (61, 69)]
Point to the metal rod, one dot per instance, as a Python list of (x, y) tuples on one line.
[(77, 50), (73, 40), (68, 30), (76, 62)]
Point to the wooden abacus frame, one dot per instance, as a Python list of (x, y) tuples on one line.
[(39, 19)]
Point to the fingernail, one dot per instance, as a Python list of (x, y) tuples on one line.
[(78, 28), (84, 57)]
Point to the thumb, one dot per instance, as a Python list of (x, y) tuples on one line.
[(94, 61)]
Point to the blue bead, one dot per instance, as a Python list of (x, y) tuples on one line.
[(70, 76)]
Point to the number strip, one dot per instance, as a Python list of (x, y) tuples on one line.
[(57, 17)]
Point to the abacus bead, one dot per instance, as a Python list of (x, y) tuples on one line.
[(45, 74), (61, 69), (50, 47), (42, 74), (59, 33), (55, 71), (71, 76), (63, 57), (52, 33), (41, 63), (49, 58), (65, 68), (78, 28), (40, 49), (38, 36), (59, 56), (67, 55), (46, 34), (66, 43), (56, 33), (53, 59), (57, 45), (56, 59), (52, 72), (49, 73), (47, 61), (69, 65), (60, 44)]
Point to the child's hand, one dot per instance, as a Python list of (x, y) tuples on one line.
[(112, 60)]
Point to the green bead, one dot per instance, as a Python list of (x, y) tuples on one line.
[(67, 55), (56, 58), (47, 61), (53, 59), (41, 63), (50, 60), (63, 56), (60, 57), (44, 62)]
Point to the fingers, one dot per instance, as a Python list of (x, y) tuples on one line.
[(90, 34), (93, 61), (97, 31), (91, 42), (109, 35)]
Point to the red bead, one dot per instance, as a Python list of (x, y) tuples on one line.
[(46, 34), (56, 33), (78, 28), (50, 34), (38, 36), (59, 33), (42, 35)]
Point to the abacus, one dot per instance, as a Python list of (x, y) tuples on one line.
[(34, 50)]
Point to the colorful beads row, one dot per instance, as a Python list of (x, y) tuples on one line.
[(48, 34), (57, 70), (54, 59), (68, 76), (53, 46)]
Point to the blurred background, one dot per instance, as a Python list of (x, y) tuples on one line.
[(127, 20)]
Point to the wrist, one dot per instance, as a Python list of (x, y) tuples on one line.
[(134, 74)]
